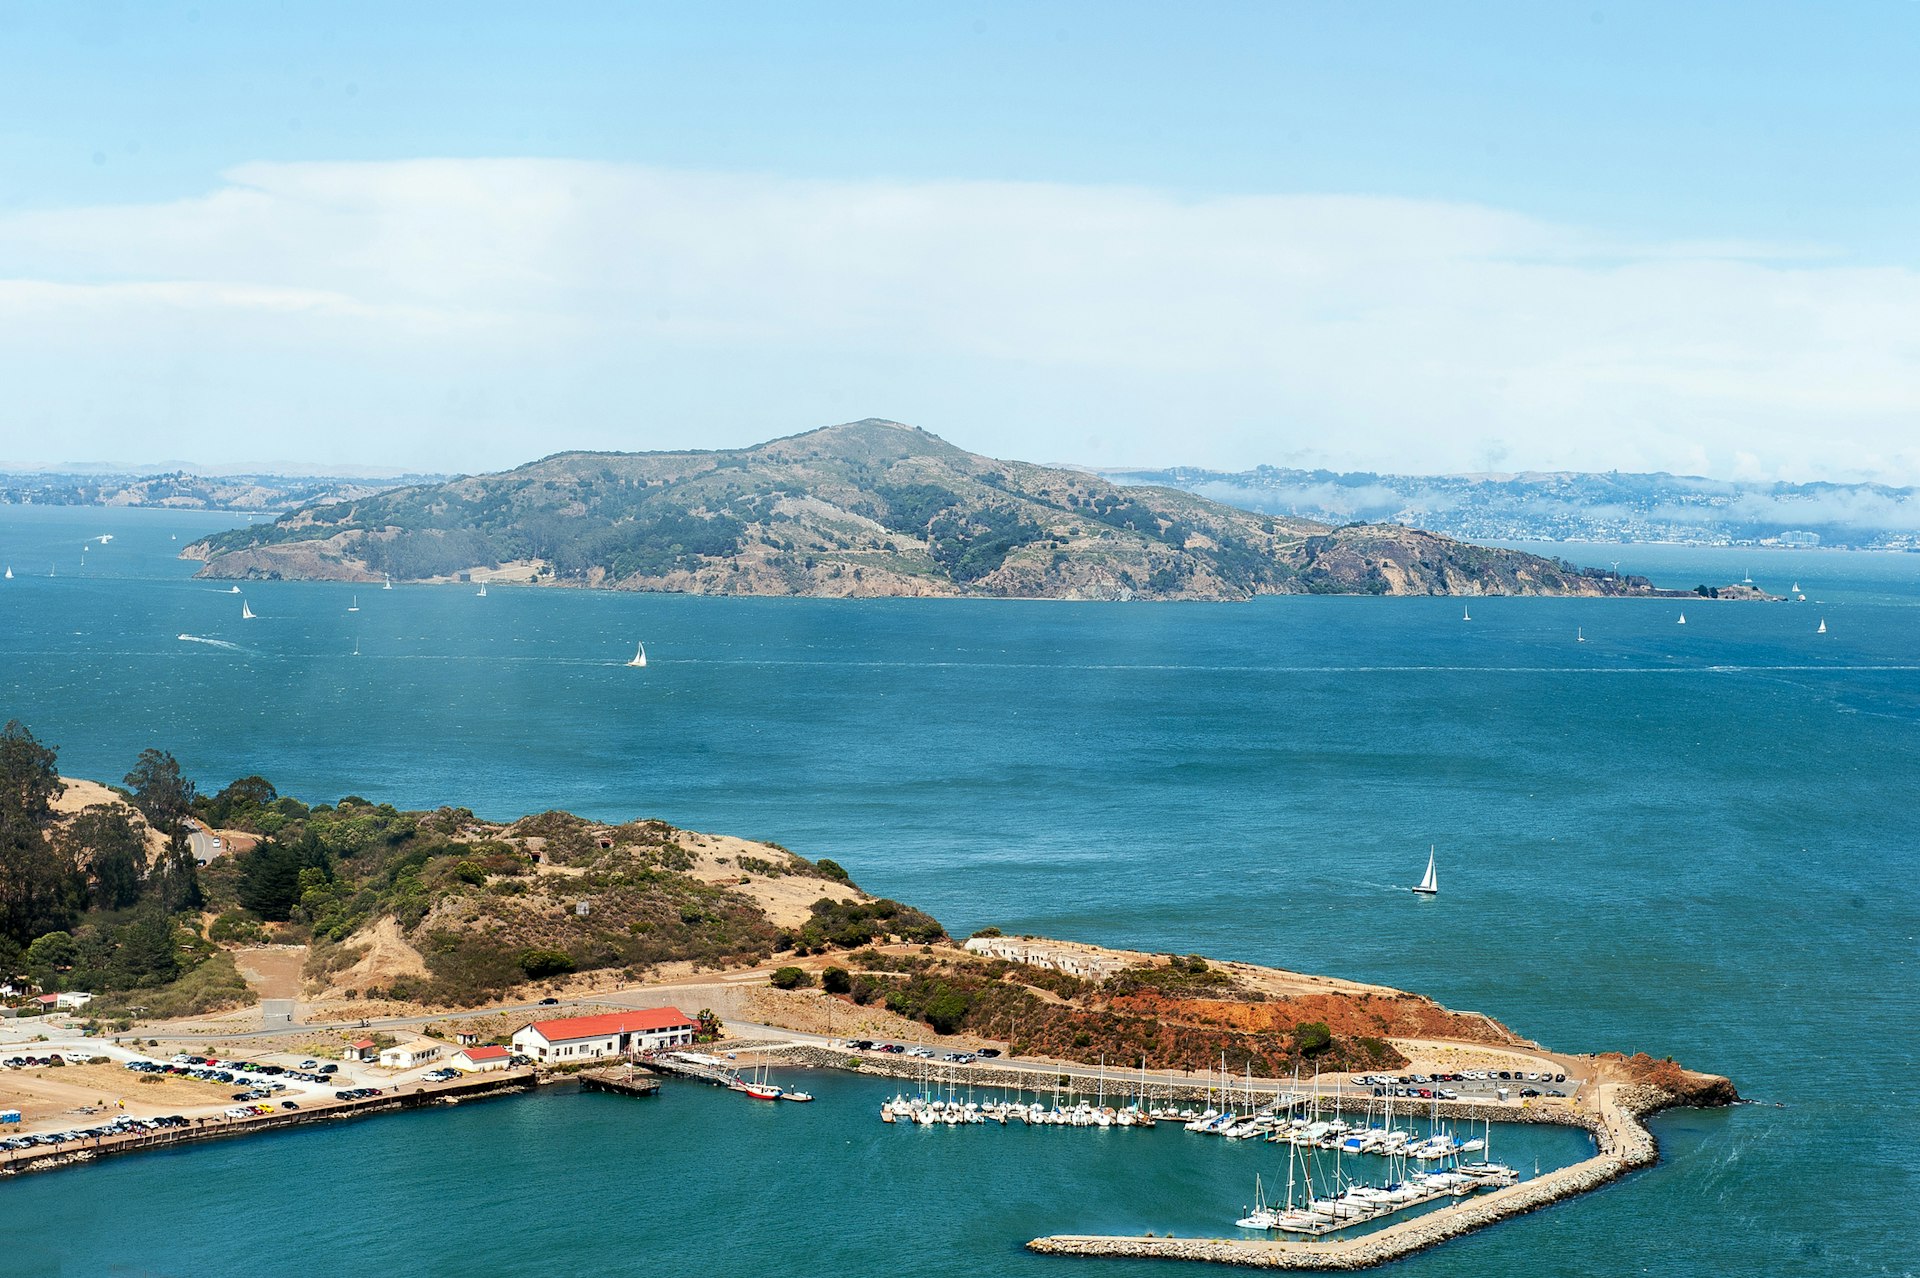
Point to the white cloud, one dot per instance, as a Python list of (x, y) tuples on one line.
[(476, 312)]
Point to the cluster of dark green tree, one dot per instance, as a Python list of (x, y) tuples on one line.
[(848, 925), (82, 904)]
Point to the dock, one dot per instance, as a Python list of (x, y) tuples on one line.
[(698, 1066), (619, 1082)]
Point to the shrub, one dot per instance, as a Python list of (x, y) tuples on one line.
[(836, 980), (538, 963), (791, 978), (1312, 1038)]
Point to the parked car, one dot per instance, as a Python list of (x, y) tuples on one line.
[(549, 1002)]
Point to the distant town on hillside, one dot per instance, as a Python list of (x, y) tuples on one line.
[(1571, 506)]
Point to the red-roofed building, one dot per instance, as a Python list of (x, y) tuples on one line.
[(581, 1038), (478, 1060), (362, 1050)]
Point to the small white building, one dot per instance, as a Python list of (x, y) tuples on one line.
[(407, 1055), (480, 1060), (585, 1038)]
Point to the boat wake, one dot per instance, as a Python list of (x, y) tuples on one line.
[(214, 643)]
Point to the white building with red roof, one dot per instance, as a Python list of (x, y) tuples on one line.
[(478, 1060), (582, 1038)]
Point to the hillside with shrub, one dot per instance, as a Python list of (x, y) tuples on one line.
[(870, 508)]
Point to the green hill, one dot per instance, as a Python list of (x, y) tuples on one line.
[(871, 508)]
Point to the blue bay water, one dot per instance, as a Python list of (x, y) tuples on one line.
[(1697, 841)]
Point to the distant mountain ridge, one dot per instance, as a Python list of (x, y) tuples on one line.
[(187, 490), (869, 508), (1612, 506)]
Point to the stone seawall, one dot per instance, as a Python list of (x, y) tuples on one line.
[(1625, 1143), (478, 1087)]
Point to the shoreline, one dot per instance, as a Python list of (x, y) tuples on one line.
[(1623, 1143), (453, 1092)]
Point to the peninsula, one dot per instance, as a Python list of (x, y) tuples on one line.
[(328, 931), (867, 509)]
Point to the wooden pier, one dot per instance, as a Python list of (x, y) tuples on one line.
[(619, 1082)]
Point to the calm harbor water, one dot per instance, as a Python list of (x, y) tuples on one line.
[(1697, 841)]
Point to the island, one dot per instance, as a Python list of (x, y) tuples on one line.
[(867, 509)]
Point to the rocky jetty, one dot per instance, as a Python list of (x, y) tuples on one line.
[(1624, 1144)]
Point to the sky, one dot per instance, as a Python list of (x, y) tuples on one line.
[(1404, 237)]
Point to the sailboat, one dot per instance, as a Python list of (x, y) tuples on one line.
[(1429, 885), (9, 572), (640, 657), (1796, 588), (1464, 614), (1579, 635), (356, 647), (482, 592), (1683, 619), (355, 605), (246, 613), (1823, 627), (389, 585)]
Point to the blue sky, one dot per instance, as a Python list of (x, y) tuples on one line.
[(1597, 235)]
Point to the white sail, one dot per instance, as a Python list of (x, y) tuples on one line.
[(1464, 614), (1579, 634), (246, 613), (9, 572), (389, 585), (1823, 627), (355, 605), (1796, 587), (482, 592), (1683, 618), (1430, 882), (639, 657)]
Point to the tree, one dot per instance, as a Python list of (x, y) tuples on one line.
[(52, 952), (145, 953), (29, 775), (836, 980), (40, 889), (163, 796), (175, 882), (270, 880), (709, 1022), (104, 841), (1312, 1038), (791, 978)]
